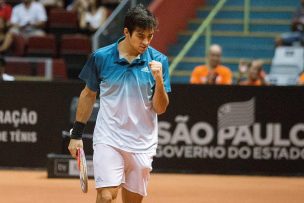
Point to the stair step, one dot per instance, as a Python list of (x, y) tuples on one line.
[(232, 40), (237, 34), (257, 2), (198, 50), (271, 9), (257, 25), (237, 12), (239, 21)]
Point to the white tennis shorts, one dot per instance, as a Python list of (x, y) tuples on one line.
[(115, 167)]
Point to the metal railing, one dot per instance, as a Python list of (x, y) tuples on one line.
[(203, 27), (206, 26), (48, 65), (246, 16)]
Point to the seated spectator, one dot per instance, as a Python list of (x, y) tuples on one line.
[(28, 19), (301, 79), (92, 18), (213, 72), (3, 75), (6, 38), (297, 28), (256, 75), (5, 10), (244, 65)]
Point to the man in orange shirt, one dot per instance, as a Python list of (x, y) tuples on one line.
[(213, 72), (301, 79)]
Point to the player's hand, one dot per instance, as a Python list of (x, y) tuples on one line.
[(156, 69), (73, 146)]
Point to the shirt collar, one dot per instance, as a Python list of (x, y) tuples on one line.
[(142, 58)]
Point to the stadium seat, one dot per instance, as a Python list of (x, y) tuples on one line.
[(286, 65), (18, 46), (61, 21), (42, 46), (59, 69), (20, 68), (75, 49)]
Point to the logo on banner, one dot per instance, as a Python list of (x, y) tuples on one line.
[(236, 114), (237, 136)]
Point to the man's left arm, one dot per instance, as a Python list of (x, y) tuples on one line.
[(160, 98)]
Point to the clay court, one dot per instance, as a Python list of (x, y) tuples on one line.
[(17, 186)]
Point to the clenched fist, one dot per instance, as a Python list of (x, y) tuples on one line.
[(156, 69)]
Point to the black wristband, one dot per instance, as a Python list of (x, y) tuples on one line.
[(77, 130)]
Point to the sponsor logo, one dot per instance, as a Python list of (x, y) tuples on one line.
[(145, 69)]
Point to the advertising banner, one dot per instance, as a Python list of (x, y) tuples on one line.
[(206, 129), (233, 129), (32, 116)]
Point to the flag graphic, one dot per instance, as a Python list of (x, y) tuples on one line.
[(236, 114)]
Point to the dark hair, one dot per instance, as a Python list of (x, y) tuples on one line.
[(139, 17)]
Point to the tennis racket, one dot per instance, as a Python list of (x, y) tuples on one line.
[(83, 171)]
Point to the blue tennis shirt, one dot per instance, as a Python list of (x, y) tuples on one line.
[(126, 119)]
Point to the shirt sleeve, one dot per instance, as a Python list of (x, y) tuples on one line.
[(166, 76), (195, 76), (89, 74), (41, 12), (227, 77), (14, 17)]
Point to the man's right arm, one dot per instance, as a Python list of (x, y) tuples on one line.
[(84, 110)]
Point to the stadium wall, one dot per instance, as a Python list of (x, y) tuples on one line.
[(206, 129), (173, 17)]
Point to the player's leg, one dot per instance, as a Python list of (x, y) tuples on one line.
[(137, 172), (130, 197), (107, 195), (108, 172)]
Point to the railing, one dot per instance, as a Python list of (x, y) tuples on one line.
[(48, 66), (246, 16), (205, 26)]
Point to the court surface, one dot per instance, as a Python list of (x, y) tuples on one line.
[(18, 186)]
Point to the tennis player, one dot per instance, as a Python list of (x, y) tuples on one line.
[(133, 80)]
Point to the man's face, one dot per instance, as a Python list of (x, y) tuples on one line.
[(140, 39), (214, 58), (254, 72)]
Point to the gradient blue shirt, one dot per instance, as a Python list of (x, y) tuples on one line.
[(126, 119)]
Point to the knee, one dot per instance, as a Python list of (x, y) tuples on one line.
[(106, 195)]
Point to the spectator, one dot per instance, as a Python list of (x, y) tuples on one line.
[(301, 79), (5, 10), (213, 72), (6, 38), (28, 18), (297, 28), (256, 74), (3, 75), (242, 75), (93, 17)]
